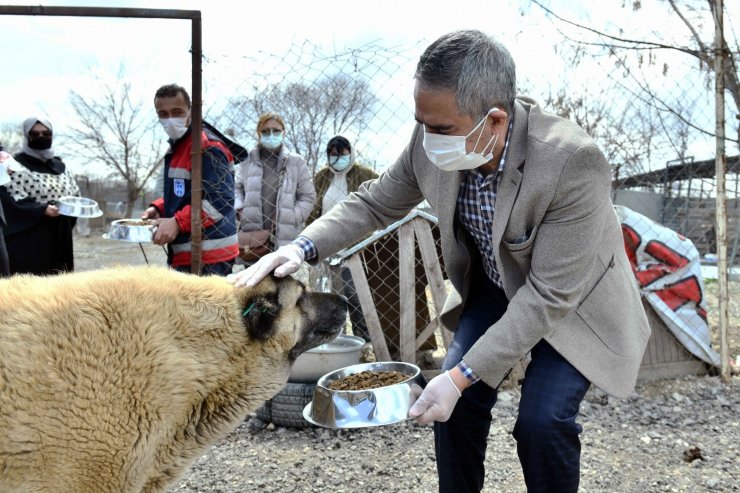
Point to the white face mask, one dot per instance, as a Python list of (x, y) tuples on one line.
[(175, 127), (271, 141), (448, 152), (339, 163)]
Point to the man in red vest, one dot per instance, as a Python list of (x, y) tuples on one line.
[(172, 211)]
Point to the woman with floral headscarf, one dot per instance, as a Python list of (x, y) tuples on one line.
[(38, 238)]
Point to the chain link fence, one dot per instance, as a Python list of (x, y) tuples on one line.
[(364, 94)]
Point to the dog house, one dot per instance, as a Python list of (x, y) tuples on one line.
[(398, 276), (669, 275)]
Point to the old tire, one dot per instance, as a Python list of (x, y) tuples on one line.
[(286, 407)]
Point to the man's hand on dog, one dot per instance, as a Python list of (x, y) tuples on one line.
[(284, 261)]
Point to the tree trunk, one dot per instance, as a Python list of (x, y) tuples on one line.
[(131, 196)]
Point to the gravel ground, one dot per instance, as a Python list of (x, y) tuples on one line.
[(629, 445), (639, 444)]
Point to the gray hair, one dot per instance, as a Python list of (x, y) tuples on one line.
[(479, 69)]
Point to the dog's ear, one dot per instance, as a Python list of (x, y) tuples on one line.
[(259, 316)]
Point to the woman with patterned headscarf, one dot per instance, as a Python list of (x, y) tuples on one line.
[(38, 238)]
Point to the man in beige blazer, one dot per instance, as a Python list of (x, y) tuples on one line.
[(533, 250)]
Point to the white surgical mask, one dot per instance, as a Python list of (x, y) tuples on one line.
[(271, 141), (448, 152), (175, 127), (339, 163)]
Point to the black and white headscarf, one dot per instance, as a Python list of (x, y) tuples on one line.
[(28, 123), (40, 185)]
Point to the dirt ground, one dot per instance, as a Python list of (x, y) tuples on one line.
[(711, 292), (95, 252)]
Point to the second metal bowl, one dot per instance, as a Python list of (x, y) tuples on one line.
[(314, 363), (136, 230), (78, 207)]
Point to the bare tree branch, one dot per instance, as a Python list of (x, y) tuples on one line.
[(313, 112), (705, 52), (112, 130), (634, 42)]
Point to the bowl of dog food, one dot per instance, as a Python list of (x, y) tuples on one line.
[(135, 230), (78, 207), (364, 395), (314, 363)]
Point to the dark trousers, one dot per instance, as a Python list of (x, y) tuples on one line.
[(546, 430), (359, 327)]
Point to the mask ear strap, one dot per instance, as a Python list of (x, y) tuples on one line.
[(482, 122), (494, 139)]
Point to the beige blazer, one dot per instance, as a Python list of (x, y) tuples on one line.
[(569, 282)]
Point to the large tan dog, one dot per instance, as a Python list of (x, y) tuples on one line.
[(116, 380)]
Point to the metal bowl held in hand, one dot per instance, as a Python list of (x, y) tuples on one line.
[(78, 207), (364, 408), (135, 230), (314, 363)]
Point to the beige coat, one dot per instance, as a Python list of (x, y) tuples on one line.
[(569, 282)]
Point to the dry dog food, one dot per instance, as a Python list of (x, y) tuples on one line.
[(368, 380), (134, 222)]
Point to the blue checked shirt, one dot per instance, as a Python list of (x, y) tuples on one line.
[(476, 201)]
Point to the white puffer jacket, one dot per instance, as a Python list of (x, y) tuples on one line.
[(295, 200)]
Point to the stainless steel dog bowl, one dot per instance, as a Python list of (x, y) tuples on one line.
[(364, 408), (313, 364), (135, 230), (78, 207)]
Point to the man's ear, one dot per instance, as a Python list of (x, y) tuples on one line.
[(259, 316)]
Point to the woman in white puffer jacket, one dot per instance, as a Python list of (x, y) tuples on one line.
[(273, 184)]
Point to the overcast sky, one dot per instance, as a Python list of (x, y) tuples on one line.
[(45, 57)]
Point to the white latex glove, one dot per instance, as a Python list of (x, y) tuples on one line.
[(284, 261), (437, 400)]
